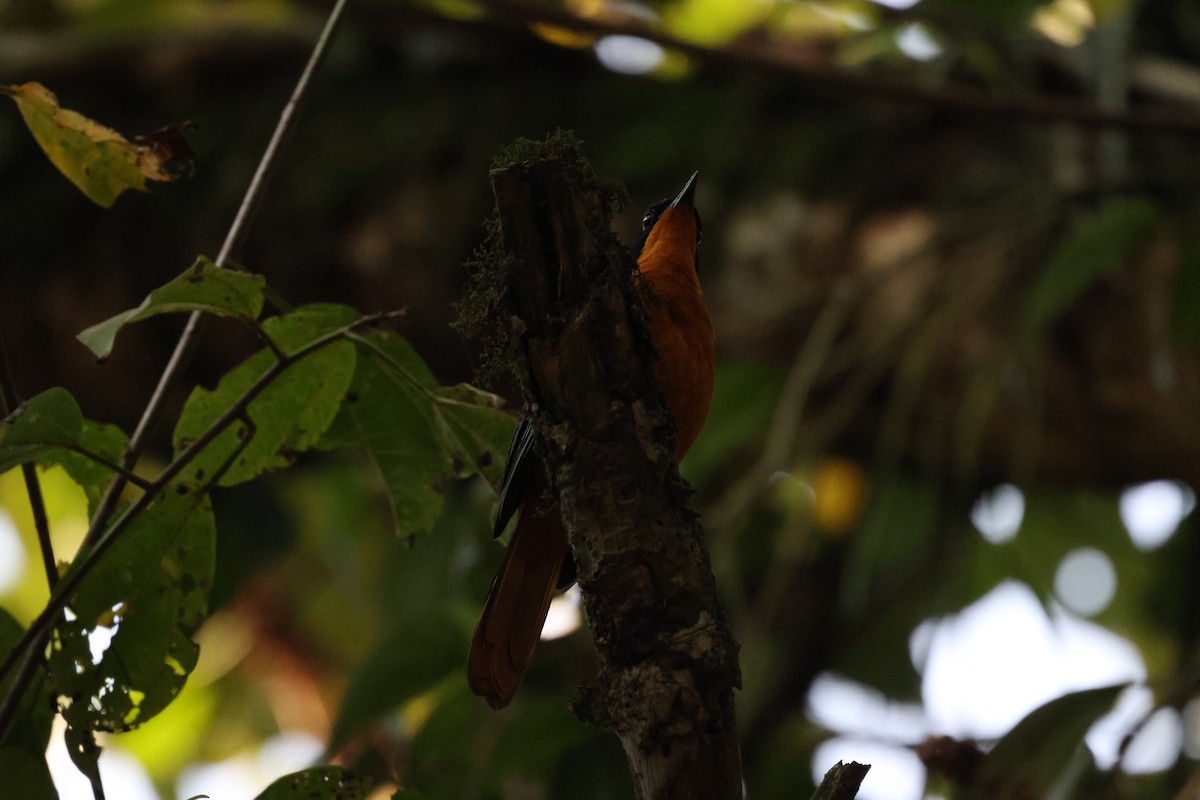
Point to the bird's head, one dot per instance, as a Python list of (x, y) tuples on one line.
[(671, 226)]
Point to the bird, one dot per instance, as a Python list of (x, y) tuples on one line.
[(538, 560)]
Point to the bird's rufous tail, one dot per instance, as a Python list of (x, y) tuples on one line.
[(516, 607)]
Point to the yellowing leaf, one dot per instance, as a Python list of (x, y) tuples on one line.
[(100, 161)]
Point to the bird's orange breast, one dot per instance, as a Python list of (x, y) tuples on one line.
[(679, 322)]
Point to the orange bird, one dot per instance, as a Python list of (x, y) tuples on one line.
[(538, 561)]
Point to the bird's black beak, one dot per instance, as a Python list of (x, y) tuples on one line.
[(689, 189)]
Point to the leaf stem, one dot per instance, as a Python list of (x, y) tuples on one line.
[(128, 475), (386, 358), (232, 246)]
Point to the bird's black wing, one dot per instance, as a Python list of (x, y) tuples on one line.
[(518, 466)]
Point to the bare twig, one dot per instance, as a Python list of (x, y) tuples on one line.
[(230, 251)]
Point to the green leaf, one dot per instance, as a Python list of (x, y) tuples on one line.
[(389, 409), (1096, 246), (318, 783), (31, 730), (25, 776), (98, 160), (475, 429), (417, 432), (289, 416), (151, 591), (44, 423), (1039, 747), (202, 287), (50, 429), (413, 658), (93, 477)]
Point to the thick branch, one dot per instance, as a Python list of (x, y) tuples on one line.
[(842, 781), (668, 664), (768, 53)]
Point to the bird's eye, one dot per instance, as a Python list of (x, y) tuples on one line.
[(647, 220)]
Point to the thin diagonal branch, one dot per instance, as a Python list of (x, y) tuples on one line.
[(230, 251)]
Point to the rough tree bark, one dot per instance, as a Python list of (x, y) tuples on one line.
[(668, 663)]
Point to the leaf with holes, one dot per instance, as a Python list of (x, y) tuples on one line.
[(475, 429), (202, 287), (146, 596), (289, 415)]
